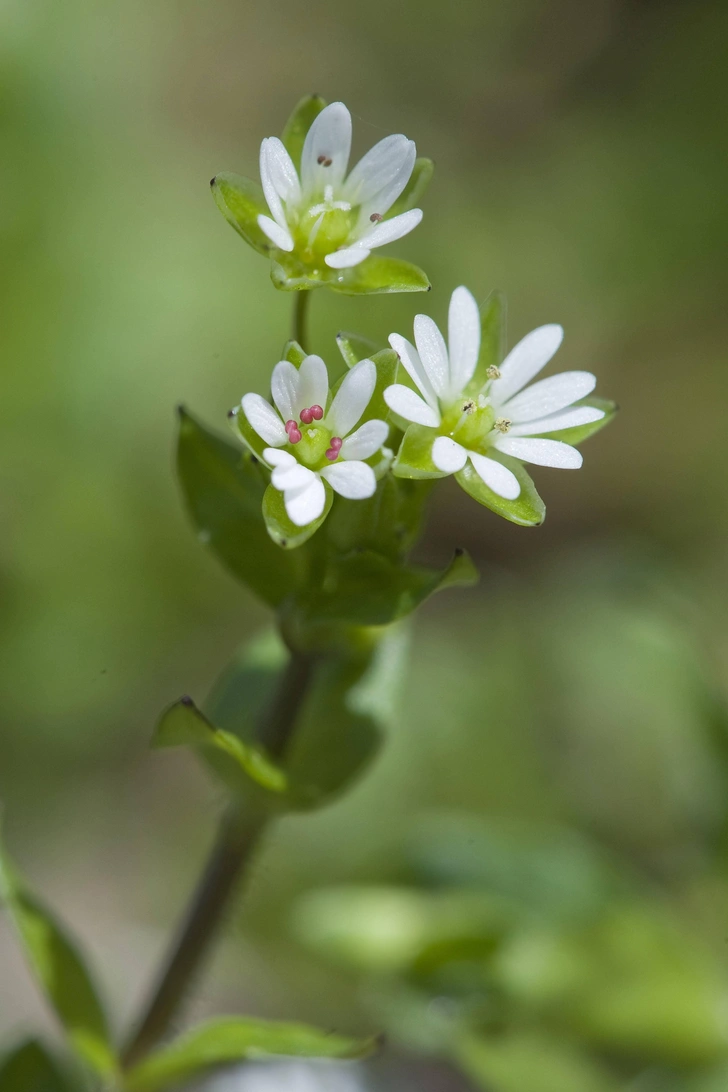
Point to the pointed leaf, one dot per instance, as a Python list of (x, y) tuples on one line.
[(378, 274), (182, 724), (354, 347), (369, 590), (413, 192), (282, 531), (224, 490), (577, 435), (229, 1040), (31, 1068), (299, 124), (60, 972), (527, 510), (241, 201), (414, 458)]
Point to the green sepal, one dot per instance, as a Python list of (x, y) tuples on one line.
[(388, 523), (492, 339), (298, 125), (527, 510), (354, 347), (521, 1060), (414, 458), (294, 353), (412, 193), (282, 531), (368, 589), (242, 429), (375, 275), (580, 433), (224, 489), (183, 725), (241, 201), (60, 971), (31, 1068), (231, 1039)]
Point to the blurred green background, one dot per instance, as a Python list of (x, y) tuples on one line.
[(580, 167)]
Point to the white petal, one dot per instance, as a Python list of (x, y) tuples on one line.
[(264, 419), (313, 383), (448, 456), (405, 403), (353, 480), (496, 476), (306, 504), (526, 360), (329, 137), (367, 440), (352, 398), (285, 386), (278, 235), (291, 476), (433, 353), (278, 177), (541, 452), (389, 230), (381, 175), (410, 358), (569, 418), (346, 258), (549, 395), (277, 458), (463, 339)]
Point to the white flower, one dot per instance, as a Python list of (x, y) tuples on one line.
[(327, 214), (294, 1076), (502, 416), (308, 444)]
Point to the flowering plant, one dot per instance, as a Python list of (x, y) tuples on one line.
[(316, 504)]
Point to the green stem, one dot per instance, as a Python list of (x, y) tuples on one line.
[(300, 318), (234, 850)]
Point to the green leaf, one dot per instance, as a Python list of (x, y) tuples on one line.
[(182, 724), (527, 510), (224, 1041), (354, 347), (281, 529), (299, 124), (531, 1062), (583, 432), (241, 201), (414, 458), (60, 971), (224, 489), (368, 589), (411, 195), (31, 1068), (492, 338), (377, 275)]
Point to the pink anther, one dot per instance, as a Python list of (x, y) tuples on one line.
[(316, 412), (294, 435), (306, 416), (290, 425), (336, 443), (332, 454)]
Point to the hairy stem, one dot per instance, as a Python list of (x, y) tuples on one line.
[(231, 856), (300, 318)]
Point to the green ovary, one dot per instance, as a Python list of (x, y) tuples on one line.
[(333, 231), (468, 424), (312, 447)]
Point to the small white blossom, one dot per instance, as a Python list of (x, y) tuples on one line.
[(308, 444), (502, 416), (294, 1076), (325, 213)]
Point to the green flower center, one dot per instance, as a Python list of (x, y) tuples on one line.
[(469, 423), (312, 447), (324, 227)]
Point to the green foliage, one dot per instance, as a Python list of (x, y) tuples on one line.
[(527, 510), (414, 458), (286, 534), (374, 276), (31, 1068), (228, 1040), (241, 201), (60, 971), (299, 123), (413, 192), (354, 347)]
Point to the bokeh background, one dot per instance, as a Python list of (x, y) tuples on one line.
[(580, 167)]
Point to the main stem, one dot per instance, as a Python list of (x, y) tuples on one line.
[(300, 318), (237, 841)]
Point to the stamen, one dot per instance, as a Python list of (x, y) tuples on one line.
[(468, 406), (306, 416), (316, 412), (376, 217), (502, 424), (290, 425), (336, 442), (324, 161), (294, 435), (493, 372), (333, 453)]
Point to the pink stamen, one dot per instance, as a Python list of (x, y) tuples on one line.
[(290, 425), (317, 413), (332, 454), (294, 435), (306, 416), (336, 443)]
